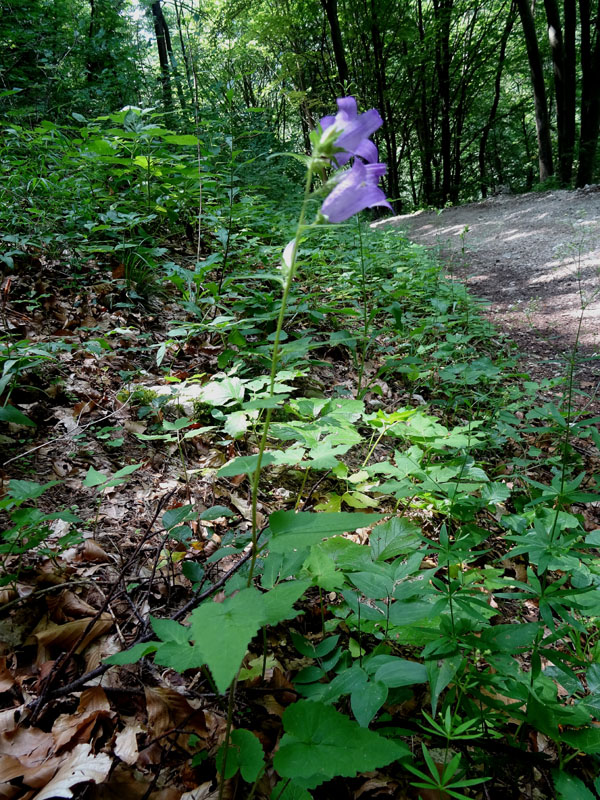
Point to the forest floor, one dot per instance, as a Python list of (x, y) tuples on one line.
[(536, 259)]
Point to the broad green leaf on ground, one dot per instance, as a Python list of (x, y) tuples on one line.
[(222, 632), (244, 465), (367, 701), (587, 740), (293, 530), (393, 537), (12, 414), (133, 655), (288, 790), (94, 478), (244, 753), (278, 603), (400, 672), (568, 787), (320, 743), (175, 516)]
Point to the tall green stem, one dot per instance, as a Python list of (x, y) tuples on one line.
[(287, 285)]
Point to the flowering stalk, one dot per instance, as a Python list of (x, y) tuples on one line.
[(338, 139), (290, 256)]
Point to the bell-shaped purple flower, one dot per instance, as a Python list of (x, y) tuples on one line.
[(353, 131), (354, 191)]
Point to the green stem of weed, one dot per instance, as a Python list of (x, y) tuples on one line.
[(363, 289), (291, 272)]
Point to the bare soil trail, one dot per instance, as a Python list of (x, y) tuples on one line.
[(536, 259)]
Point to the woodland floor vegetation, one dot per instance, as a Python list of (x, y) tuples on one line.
[(421, 619)]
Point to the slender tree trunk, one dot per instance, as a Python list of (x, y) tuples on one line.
[(331, 10), (542, 118), (565, 127), (590, 93), (424, 120), (570, 17), (485, 133), (163, 56), (443, 13), (184, 53), (388, 130), (173, 62)]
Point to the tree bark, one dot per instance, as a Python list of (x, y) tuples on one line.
[(485, 133), (443, 13), (590, 94), (163, 56), (565, 127), (388, 130), (542, 118), (331, 10)]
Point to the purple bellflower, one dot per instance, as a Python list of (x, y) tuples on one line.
[(349, 131), (342, 137), (355, 190)]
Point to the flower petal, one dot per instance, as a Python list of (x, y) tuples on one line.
[(356, 189)]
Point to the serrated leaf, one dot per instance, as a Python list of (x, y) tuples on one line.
[(168, 630), (587, 740), (278, 603), (394, 537), (293, 530), (245, 753), (222, 632), (193, 571), (133, 655), (288, 790), (319, 743), (236, 424), (21, 490), (568, 787), (94, 478), (175, 516)]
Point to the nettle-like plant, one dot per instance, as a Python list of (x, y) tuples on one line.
[(218, 634), (439, 596)]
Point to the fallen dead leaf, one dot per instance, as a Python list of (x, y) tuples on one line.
[(168, 709), (126, 746), (6, 679), (51, 635), (80, 767)]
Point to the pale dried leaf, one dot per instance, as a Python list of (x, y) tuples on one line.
[(126, 746), (6, 679), (8, 718), (168, 709), (65, 636), (80, 767), (92, 551)]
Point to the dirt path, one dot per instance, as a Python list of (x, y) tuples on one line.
[(536, 259)]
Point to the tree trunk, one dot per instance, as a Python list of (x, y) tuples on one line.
[(485, 133), (590, 94), (425, 120), (388, 130), (565, 127), (184, 52), (331, 10), (163, 56), (443, 13), (542, 118), (570, 17)]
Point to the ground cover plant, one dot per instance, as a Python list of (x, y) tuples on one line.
[(281, 520)]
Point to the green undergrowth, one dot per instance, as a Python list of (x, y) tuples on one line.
[(425, 580)]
